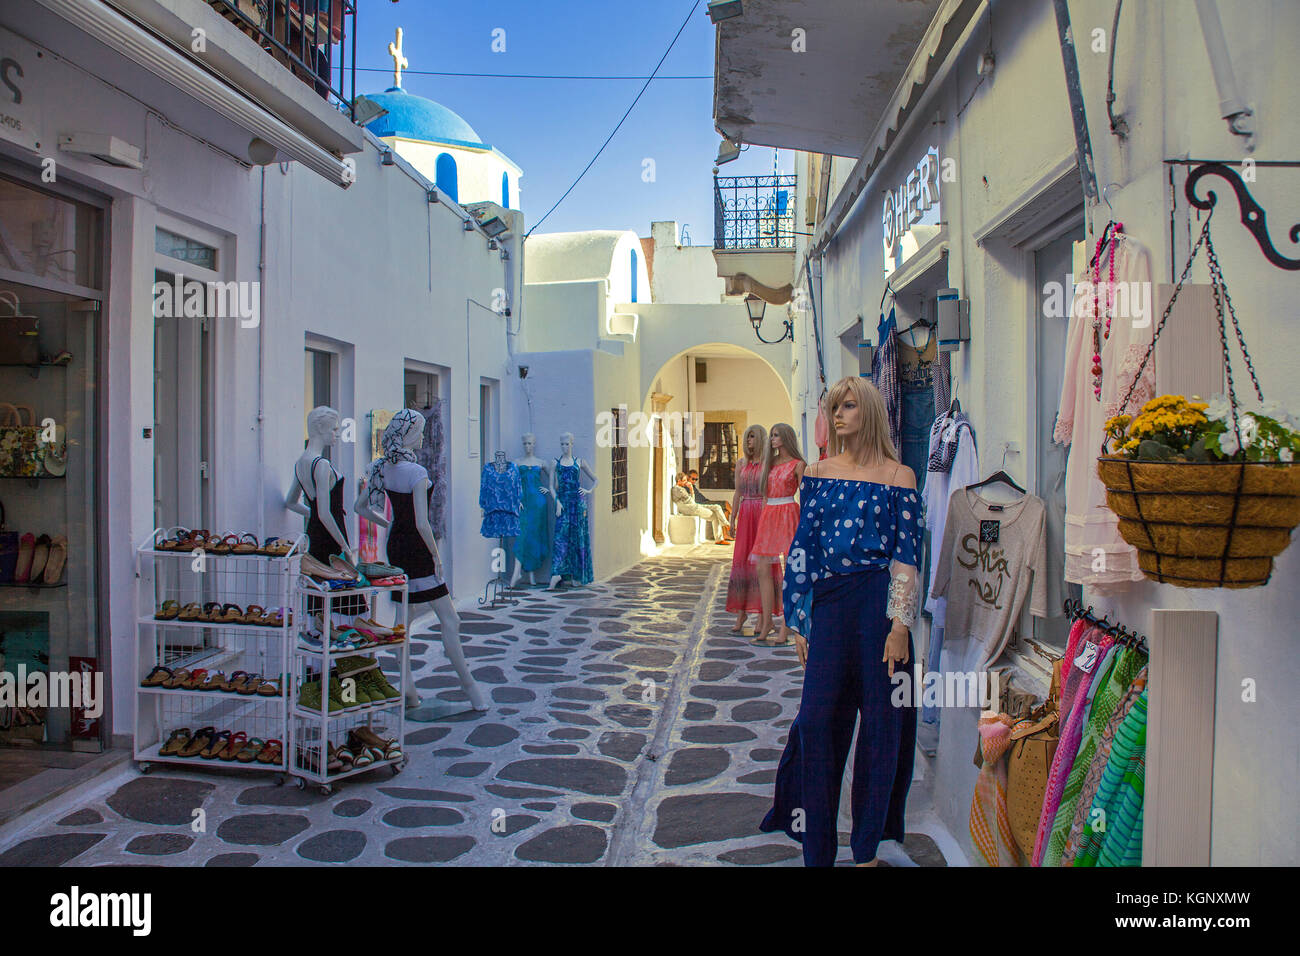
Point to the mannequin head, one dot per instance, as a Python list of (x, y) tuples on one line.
[(566, 444), (323, 425), (406, 430), (530, 444)]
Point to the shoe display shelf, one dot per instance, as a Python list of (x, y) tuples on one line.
[(239, 579), (314, 730)]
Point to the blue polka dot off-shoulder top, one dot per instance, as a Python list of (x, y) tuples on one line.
[(845, 526)]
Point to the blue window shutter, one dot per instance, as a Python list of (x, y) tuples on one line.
[(633, 275), (445, 176), (505, 190)]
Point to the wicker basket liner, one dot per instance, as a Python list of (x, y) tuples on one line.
[(1203, 494), (1204, 572)]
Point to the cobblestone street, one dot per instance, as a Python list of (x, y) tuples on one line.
[(628, 727)]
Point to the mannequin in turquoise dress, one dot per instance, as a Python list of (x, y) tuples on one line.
[(571, 553), (531, 550)]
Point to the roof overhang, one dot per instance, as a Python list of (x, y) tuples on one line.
[(822, 90)]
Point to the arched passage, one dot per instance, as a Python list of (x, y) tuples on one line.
[(699, 403)]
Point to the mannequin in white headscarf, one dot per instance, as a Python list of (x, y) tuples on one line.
[(411, 545)]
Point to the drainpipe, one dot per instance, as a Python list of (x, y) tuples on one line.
[(1231, 107), (261, 358)]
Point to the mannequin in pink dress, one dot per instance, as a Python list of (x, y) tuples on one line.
[(743, 595), (776, 524)]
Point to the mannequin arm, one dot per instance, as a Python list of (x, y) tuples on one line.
[(323, 477), (559, 508), (586, 470), (420, 501), (362, 508), (293, 498)]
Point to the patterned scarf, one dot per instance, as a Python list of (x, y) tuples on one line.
[(395, 450), (945, 436)]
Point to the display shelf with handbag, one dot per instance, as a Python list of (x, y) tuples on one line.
[(1029, 762), (20, 342)]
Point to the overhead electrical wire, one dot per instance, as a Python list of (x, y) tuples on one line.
[(538, 76), (620, 123)]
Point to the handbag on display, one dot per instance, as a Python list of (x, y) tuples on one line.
[(19, 334), (1029, 763), (20, 445), (8, 550)]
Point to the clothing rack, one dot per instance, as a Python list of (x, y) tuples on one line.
[(1076, 612)]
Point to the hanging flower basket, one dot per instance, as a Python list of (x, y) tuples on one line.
[(1207, 496)]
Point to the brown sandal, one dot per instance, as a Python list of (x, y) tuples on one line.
[(254, 616)]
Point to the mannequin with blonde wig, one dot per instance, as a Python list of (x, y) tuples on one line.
[(783, 470), (744, 594), (851, 594)]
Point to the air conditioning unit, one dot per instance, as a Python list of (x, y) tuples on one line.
[(701, 372), (100, 146)]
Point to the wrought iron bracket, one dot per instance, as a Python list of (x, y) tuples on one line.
[(1253, 216), (787, 334)]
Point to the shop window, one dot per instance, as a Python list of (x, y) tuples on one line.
[(718, 458), (48, 237), (319, 386), (185, 250), (618, 459)]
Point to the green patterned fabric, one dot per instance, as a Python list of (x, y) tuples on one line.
[(1110, 690), (1113, 837), (1092, 781)]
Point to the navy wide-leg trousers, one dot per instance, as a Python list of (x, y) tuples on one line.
[(846, 678)]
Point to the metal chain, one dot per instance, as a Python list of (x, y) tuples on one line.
[(1215, 268), (1204, 236)]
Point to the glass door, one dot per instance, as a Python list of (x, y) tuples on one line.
[(1052, 267)]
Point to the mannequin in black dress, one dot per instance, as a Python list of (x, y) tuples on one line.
[(317, 489), (411, 545)]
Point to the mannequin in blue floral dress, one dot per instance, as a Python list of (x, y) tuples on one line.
[(571, 552), (851, 594)]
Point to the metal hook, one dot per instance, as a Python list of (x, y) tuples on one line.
[(1103, 195)]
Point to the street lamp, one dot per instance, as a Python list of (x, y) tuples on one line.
[(756, 307)]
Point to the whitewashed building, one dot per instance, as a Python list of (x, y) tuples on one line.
[(981, 89), (126, 157)]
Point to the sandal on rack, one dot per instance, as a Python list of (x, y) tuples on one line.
[(216, 682), (246, 543), (167, 611), (251, 684), (178, 740), (157, 677), (254, 616), (389, 748), (224, 544), (268, 688), (191, 613), (236, 743), (230, 614), (211, 613), (271, 753), (238, 680), (251, 750), (218, 745), (277, 547), (197, 677), (334, 763), (172, 539), (179, 676), (198, 743)]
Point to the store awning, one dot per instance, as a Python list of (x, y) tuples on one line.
[(814, 75)]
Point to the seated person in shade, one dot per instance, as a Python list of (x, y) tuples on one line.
[(684, 504), (693, 481)]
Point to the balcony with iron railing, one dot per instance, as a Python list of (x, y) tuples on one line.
[(753, 212), (754, 234), (313, 39)]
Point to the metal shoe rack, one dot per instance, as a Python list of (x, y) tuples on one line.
[(242, 579), (312, 731)]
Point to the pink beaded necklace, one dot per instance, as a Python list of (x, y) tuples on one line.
[(1100, 334)]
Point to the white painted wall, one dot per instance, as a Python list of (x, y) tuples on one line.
[(478, 171), (684, 274), (1012, 130)]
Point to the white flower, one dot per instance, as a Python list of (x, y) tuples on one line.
[(1218, 409), (1249, 430), (1285, 454), (1228, 443)]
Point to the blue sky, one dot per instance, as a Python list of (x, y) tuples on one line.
[(551, 128)]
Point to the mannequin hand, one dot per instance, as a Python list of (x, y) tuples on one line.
[(801, 648), (585, 492), (559, 509), (895, 647), (544, 490)]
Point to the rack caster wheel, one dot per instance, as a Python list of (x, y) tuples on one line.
[(144, 766), (279, 780), (397, 767), (326, 789), (300, 783)]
